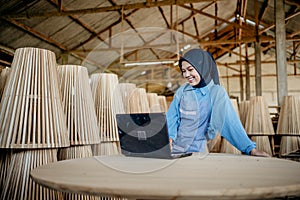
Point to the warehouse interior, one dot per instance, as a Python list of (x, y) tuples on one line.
[(137, 43)]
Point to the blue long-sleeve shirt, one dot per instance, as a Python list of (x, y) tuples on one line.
[(199, 113)]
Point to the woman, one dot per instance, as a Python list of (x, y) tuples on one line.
[(201, 108)]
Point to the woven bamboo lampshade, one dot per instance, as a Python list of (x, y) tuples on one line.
[(289, 117), (258, 120), (263, 144), (3, 79), (289, 144), (126, 90), (154, 102), (139, 101), (73, 152), (108, 103), (289, 124), (78, 105), (31, 114), (5, 157), (244, 109), (163, 103), (19, 185)]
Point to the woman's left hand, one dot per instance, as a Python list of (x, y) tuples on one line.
[(256, 152)]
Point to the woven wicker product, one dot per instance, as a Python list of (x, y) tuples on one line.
[(289, 124), (19, 185), (139, 101), (126, 90), (3, 79), (259, 124), (244, 109), (108, 102), (78, 105), (163, 103), (258, 120), (289, 117), (154, 102), (5, 157), (31, 114)]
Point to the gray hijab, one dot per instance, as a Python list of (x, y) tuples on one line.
[(204, 63)]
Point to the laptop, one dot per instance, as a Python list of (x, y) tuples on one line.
[(145, 135)]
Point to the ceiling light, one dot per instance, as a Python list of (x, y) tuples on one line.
[(149, 63)]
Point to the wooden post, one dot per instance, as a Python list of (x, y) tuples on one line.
[(280, 50)]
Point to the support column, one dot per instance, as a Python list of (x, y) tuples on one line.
[(258, 87), (280, 50)]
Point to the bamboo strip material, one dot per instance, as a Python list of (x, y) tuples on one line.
[(126, 90), (214, 145), (258, 120), (73, 152), (243, 110), (106, 148), (19, 185), (154, 104), (78, 105), (289, 144), (263, 144), (226, 147), (163, 103), (108, 103), (139, 101), (3, 79), (5, 157), (31, 114), (289, 116)]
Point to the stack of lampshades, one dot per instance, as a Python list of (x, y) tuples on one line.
[(78, 105), (289, 125), (258, 124), (108, 102), (32, 123)]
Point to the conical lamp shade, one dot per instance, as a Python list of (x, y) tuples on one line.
[(258, 120), (154, 102), (18, 183), (3, 79), (78, 105), (243, 110), (163, 103), (139, 101), (31, 114), (126, 90), (289, 117)]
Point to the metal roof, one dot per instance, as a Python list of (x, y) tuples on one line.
[(105, 35)]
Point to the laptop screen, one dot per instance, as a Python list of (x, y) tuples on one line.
[(144, 134)]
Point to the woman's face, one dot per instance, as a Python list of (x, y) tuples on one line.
[(190, 73)]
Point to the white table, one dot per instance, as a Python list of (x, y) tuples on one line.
[(217, 176)]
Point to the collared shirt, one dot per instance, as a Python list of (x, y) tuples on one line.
[(199, 113)]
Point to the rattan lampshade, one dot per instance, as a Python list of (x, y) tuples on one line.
[(289, 124), (163, 103), (108, 103), (31, 114), (154, 104), (258, 120), (3, 79), (126, 90), (19, 185), (78, 105), (243, 110), (289, 117), (139, 101)]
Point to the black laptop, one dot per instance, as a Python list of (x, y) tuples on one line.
[(145, 135)]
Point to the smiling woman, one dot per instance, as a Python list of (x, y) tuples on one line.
[(201, 108)]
